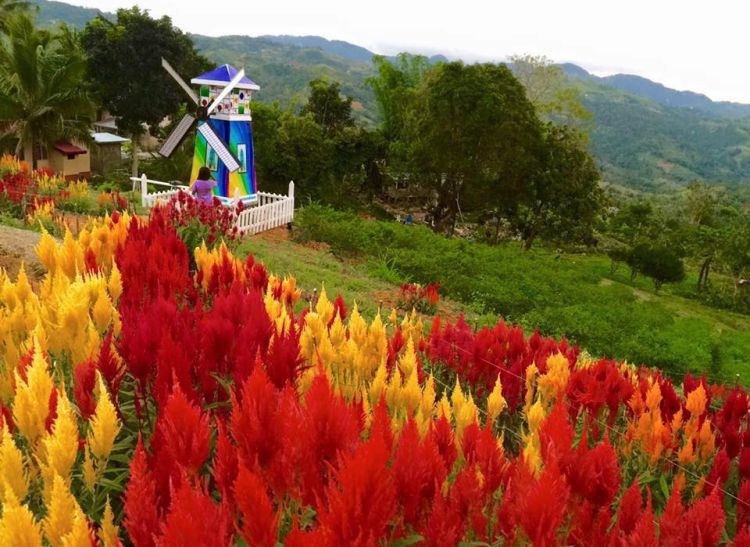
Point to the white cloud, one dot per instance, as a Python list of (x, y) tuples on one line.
[(683, 44)]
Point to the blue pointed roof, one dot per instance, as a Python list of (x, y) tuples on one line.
[(221, 76)]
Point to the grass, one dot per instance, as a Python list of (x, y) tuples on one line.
[(572, 296)]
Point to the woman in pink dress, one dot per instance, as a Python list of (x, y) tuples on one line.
[(202, 186)]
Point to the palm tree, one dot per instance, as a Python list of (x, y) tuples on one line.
[(44, 96), (9, 7)]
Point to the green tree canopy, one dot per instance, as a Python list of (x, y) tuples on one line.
[(551, 92), (393, 87), (44, 96), (328, 107), (125, 62), (563, 199), (471, 126)]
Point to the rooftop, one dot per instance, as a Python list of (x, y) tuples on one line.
[(221, 76)]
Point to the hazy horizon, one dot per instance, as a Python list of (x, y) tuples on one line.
[(704, 48)]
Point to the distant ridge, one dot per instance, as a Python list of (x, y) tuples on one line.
[(643, 87)]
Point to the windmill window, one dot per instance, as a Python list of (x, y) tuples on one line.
[(242, 156), (212, 158)]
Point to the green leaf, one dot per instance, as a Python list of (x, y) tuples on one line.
[(404, 542)]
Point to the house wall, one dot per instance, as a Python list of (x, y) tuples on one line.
[(105, 157)]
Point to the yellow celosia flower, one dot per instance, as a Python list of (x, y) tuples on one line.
[(323, 307), (17, 526), (411, 394), (444, 408), (89, 474), (102, 311), (696, 401), (12, 471), (61, 447), (378, 385), (495, 402), (104, 425), (466, 416), (408, 361), (114, 285), (46, 250), (427, 403), (535, 416), (108, 531), (61, 510), (79, 535), (554, 382), (457, 398), (31, 404)]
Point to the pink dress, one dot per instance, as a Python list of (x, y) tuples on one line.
[(202, 190)]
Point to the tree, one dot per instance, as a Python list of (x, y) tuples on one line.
[(658, 262), (551, 92), (394, 87), (470, 128), (125, 62), (328, 107), (44, 94), (563, 198), (10, 7)]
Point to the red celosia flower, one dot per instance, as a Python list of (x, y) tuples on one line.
[(418, 472), (629, 512), (141, 519), (361, 501), (225, 463), (185, 432), (85, 380), (701, 524), (259, 522), (540, 505), (328, 427), (594, 473), (194, 519)]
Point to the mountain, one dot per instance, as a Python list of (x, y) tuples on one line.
[(644, 135), (52, 13), (643, 87)]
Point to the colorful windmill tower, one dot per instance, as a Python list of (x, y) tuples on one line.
[(224, 141)]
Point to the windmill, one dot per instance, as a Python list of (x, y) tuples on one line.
[(223, 141)]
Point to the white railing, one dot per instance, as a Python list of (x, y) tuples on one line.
[(268, 211), (271, 211)]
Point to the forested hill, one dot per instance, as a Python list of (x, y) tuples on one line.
[(644, 135)]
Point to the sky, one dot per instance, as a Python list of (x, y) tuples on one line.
[(686, 44)]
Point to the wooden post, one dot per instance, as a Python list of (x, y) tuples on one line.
[(144, 189)]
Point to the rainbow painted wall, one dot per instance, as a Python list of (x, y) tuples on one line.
[(238, 135)]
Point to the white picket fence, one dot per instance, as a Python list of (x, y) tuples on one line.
[(268, 211)]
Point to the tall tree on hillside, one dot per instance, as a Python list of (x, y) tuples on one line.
[(44, 94), (328, 106), (471, 126), (125, 62), (550, 91), (394, 87), (563, 199)]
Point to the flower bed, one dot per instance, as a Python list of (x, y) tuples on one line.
[(143, 399)]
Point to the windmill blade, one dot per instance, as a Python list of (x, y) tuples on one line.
[(179, 80), (176, 136), (219, 146), (226, 90)]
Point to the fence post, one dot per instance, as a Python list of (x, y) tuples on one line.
[(290, 213), (144, 189)]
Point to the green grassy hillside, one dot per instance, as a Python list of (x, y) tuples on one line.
[(576, 296)]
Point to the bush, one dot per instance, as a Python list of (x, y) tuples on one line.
[(658, 262)]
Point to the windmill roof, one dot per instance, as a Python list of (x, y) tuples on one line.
[(221, 76)]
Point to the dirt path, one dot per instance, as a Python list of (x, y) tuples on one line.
[(16, 247)]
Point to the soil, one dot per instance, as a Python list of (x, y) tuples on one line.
[(16, 247)]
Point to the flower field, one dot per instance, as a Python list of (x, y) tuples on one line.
[(150, 402)]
